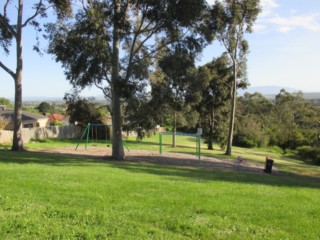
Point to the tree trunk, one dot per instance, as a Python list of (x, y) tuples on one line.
[(17, 144), (117, 146), (233, 110), (174, 130), (210, 137)]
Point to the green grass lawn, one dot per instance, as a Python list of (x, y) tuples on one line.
[(51, 196)]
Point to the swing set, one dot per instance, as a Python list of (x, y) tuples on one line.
[(92, 130)]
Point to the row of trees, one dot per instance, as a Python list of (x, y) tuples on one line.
[(288, 121), (116, 44)]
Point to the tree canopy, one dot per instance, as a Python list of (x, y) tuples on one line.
[(112, 43)]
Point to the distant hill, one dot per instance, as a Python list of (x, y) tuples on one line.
[(41, 99), (54, 99), (272, 91), (311, 95), (267, 90)]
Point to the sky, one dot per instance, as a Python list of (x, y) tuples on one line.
[(284, 51)]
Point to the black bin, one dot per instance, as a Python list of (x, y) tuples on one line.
[(268, 167)]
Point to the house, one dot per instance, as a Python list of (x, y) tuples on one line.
[(29, 120)]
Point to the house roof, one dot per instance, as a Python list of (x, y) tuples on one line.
[(9, 114), (56, 116)]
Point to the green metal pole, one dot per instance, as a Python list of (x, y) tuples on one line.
[(160, 143), (84, 132), (199, 146), (125, 144), (88, 131)]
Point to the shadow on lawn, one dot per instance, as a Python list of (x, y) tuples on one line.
[(26, 157), (228, 172), (151, 165)]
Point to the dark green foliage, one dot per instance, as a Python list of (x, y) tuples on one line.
[(84, 48), (5, 34), (253, 120), (288, 122), (139, 115), (175, 88), (308, 153), (45, 108), (214, 79), (249, 133), (5, 101), (296, 121), (80, 110)]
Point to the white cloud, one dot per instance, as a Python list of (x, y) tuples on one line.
[(308, 22), (259, 27), (267, 7), (270, 19)]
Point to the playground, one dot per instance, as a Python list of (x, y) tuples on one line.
[(166, 158), (155, 149)]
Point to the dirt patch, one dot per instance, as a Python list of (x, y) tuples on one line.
[(166, 158)]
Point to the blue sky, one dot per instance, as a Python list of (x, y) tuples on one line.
[(284, 51)]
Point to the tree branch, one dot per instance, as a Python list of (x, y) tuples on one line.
[(38, 9), (165, 44), (8, 70), (102, 89), (5, 8), (133, 51)]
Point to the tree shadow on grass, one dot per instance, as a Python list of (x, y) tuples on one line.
[(188, 170), (26, 157), (217, 172)]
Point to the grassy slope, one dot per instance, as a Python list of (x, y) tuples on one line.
[(47, 196)]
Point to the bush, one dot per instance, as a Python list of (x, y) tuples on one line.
[(57, 123), (244, 141), (275, 149), (309, 154), (3, 122)]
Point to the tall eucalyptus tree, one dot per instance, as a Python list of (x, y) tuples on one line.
[(111, 44), (229, 20), (11, 30)]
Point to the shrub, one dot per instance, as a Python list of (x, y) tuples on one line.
[(309, 154), (275, 149), (244, 141), (57, 123), (3, 122)]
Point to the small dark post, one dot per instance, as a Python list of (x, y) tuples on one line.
[(268, 167)]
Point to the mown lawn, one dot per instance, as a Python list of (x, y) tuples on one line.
[(52, 196)]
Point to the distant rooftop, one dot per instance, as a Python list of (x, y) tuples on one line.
[(9, 114)]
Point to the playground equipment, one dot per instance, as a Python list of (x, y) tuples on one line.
[(196, 135), (92, 130)]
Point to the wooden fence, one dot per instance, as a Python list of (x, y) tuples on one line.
[(61, 132)]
